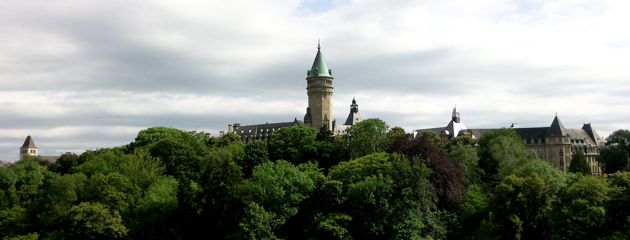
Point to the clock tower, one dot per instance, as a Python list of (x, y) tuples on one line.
[(319, 89)]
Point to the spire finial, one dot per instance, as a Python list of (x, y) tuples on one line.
[(318, 45)]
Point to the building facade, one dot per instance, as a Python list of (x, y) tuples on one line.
[(554, 144)]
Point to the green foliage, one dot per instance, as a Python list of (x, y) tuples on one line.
[(150, 136), (257, 223), (501, 152), (521, 206), (256, 153), (333, 226), (62, 192), (579, 164), (13, 221), (466, 156), (65, 163), (173, 184), (462, 140), (160, 199), (620, 138), (614, 158), (618, 206), (388, 196), (180, 159), (278, 187), (367, 136), (30, 236), (227, 139), (295, 144), (113, 190), (393, 135), (581, 212), (95, 221)]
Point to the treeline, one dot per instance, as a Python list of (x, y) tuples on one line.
[(372, 183)]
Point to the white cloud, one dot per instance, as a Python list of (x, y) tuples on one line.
[(71, 69)]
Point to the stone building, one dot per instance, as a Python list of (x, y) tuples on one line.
[(554, 144), (319, 112)]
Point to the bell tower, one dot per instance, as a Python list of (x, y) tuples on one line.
[(319, 88)]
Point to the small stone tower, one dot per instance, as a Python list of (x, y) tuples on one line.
[(319, 89), (28, 148)]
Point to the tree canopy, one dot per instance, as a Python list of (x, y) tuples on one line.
[(372, 183)]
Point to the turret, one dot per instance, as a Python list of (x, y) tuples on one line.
[(28, 148), (319, 89), (455, 115)]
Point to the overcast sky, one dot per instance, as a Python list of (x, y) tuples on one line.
[(82, 75)]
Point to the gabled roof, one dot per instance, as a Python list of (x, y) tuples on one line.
[(598, 140), (319, 68), (556, 128), (28, 143)]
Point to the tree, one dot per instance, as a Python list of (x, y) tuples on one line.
[(277, 188), (94, 221), (393, 135), (388, 196), (521, 206), (180, 159), (618, 206), (620, 138), (220, 205), (295, 144), (501, 152), (8, 193), (614, 158), (257, 223), (155, 208), (579, 164), (581, 212), (367, 136), (467, 157), (256, 153), (65, 163)]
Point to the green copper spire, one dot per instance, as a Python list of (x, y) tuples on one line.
[(319, 68)]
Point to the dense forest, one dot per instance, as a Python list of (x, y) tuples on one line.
[(375, 182)]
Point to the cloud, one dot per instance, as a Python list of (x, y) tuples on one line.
[(78, 75)]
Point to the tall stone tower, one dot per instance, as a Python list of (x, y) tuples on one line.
[(319, 88)]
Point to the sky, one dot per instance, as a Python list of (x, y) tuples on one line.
[(78, 75)]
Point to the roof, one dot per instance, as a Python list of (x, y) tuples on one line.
[(264, 128), (598, 140), (28, 143), (532, 133), (319, 68), (556, 128)]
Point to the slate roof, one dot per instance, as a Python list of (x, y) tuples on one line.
[(264, 128), (319, 68), (557, 128), (28, 143), (533, 133)]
